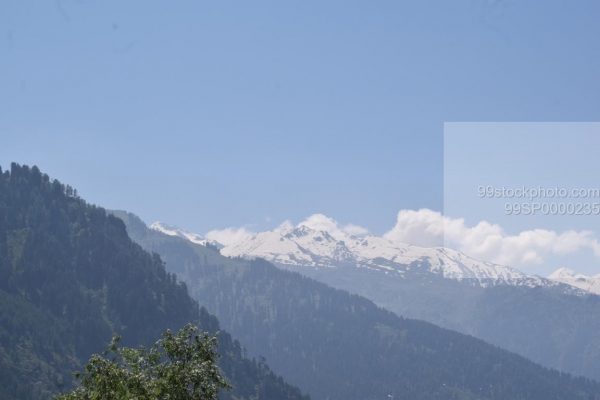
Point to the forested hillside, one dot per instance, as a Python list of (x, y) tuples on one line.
[(70, 278), (342, 346), (548, 325)]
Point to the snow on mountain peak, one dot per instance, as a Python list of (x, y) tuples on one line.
[(165, 228), (175, 231), (584, 282), (320, 241), (285, 227), (321, 222), (562, 273)]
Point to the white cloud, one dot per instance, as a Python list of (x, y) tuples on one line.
[(229, 236), (424, 227), (487, 241), (285, 226), (320, 222), (355, 230)]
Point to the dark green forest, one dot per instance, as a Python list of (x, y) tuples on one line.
[(341, 346), (70, 278), (548, 325)]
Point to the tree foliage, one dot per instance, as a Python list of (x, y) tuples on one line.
[(180, 366)]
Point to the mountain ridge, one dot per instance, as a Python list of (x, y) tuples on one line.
[(338, 345), (553, 324), (303, 245), (584, 282)]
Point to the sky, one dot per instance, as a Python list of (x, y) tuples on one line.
[(214, 114), (541, 156), (528, 193)]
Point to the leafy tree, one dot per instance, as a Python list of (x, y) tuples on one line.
[(181, 366)]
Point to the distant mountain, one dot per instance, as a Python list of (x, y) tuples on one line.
[(341, 346), (192, 237), (568, 276), (549, 322), (309, 246), (70, 278)]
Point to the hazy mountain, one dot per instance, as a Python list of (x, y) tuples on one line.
[(568, 276), (549, 322), (70, 278), (342, 346), (327, 245), (175, 231)]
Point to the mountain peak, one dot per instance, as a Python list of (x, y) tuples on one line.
[(562, 272), (323, 223), (320, 241), (320, 222), (172, 230), (568, 276)]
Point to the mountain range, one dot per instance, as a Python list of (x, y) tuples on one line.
[(547, 320), (71, 277), (336, 345), (325, 244)]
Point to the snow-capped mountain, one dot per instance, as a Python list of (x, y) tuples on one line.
[(568, 276), (175, 231), (327, 245), (320, 242)]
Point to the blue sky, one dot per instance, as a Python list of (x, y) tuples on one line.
[(538, 182), (213, 114)]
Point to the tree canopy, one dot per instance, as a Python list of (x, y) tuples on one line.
[(179, 366)]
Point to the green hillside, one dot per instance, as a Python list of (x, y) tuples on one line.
[(70, 278)]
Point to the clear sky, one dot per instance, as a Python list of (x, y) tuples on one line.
[(213, 114), (537, 181)]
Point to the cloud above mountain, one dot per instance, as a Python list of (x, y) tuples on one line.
[(320, 222), (487, 241), (429, 228), (229, 236)]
